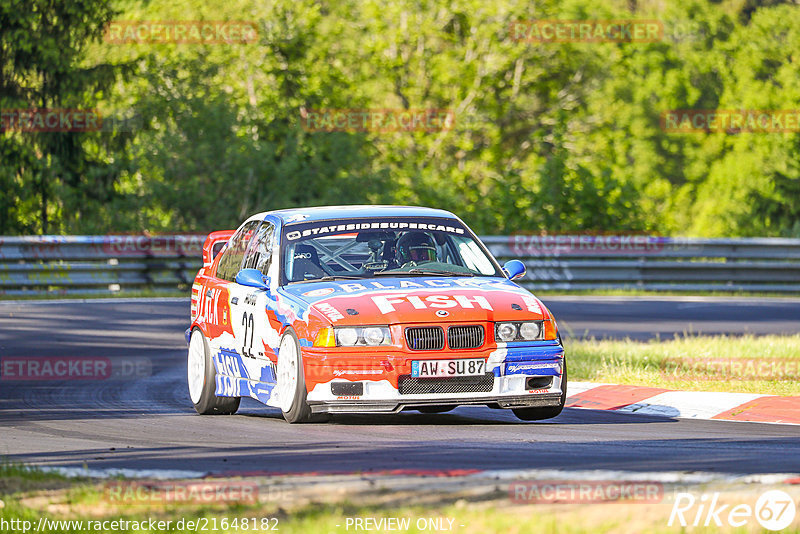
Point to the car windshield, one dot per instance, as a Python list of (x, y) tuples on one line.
[(365, 248)]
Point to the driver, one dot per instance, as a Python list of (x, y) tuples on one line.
[(414, 248)]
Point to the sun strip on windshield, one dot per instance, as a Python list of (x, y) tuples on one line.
[(296, 231)]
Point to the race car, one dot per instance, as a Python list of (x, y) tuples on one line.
[(367, 310)]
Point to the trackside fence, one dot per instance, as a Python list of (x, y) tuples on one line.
[(98, 264), (119, 263), (652, 263)]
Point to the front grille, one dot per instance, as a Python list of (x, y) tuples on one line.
[(432, 337), (408, 385), (425, 338), (465, 337)]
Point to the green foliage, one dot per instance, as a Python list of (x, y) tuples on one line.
[(557, 137), (58, 176)]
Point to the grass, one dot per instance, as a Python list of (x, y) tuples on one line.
[(748, 364), (48, 495), (16, 478)]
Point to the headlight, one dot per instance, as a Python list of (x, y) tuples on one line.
[(506, 331), (374, 335), (519, 331), (361, 336), (529, 331), (346, 337)]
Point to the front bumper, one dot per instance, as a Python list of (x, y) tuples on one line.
[(377, 376), (550, 399)]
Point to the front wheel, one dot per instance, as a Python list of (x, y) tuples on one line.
[(291, 383), (547, 412), (202, 378)]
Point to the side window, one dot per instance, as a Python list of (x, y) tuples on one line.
[(474, 258), (231, 259), (259, 255)]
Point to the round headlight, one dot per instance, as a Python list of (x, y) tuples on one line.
[(373, 336), (529, 331), (347, 336), (506, 331)]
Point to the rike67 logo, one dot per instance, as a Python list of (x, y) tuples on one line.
[(774, 510)]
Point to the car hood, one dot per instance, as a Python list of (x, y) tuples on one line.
[(418, 299)]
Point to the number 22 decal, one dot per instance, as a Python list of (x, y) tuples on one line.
[(249, 326)]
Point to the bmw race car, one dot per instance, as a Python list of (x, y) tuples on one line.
[(367, 309)]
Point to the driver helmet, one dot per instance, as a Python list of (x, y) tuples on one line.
[(418, 247)]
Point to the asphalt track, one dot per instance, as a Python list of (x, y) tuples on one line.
[(143, 419)]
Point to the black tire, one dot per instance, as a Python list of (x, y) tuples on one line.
[(209, 403), (435, 409), (547, 412), (300, 412)]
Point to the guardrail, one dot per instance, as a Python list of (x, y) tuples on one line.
[(103, 264), (98, 264), (653, 263)]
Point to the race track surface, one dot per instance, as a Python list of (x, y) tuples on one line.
[(143, 418), (643, 318)]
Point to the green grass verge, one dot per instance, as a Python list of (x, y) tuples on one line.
[(80, 505), (748, 364)]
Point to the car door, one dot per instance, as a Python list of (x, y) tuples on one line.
[(256, 338), (217, 316)]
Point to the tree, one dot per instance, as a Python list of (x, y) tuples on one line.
[(42, 47)]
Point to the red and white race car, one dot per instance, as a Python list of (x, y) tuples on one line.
[(367, 309)]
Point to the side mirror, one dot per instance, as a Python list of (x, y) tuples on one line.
[(514, 269), (251, 278)]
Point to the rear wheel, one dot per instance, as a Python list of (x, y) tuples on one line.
[(546, 412), (202, 377)]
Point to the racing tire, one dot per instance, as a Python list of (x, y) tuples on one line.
[(291, 382), (202, 378), (546, 412)]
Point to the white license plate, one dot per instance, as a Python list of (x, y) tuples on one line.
[(444, 368)]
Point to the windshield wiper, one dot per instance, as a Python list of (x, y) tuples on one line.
[(423, 272), (439, 273), (336, 277)]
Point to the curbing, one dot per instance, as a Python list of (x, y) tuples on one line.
[(685, 404)]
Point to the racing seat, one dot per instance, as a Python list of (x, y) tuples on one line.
[(306, 263)]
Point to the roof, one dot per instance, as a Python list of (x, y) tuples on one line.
[(323, 213)]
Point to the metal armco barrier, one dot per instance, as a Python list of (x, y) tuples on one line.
[(564, 262), (98, 264), (118, 263)]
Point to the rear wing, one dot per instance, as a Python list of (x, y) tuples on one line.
[(214, 243)]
